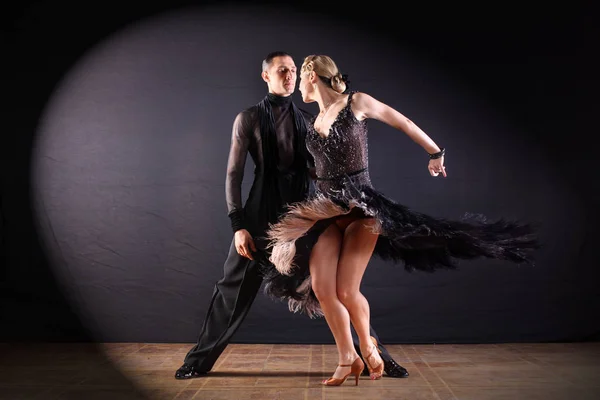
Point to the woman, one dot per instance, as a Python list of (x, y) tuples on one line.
[(321, 246)]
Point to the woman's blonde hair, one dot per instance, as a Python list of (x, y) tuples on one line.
[(326, 69)]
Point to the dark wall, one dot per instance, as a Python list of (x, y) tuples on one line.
[(114, 221)]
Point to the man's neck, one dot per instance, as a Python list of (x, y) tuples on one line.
[(279, 100)]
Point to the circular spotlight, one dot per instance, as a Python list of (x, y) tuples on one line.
[(130, 157)]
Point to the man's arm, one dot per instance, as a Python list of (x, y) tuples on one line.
[(238, 151), (310, 161), (311, 165)]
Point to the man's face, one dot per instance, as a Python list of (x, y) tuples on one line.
[(281, 76)]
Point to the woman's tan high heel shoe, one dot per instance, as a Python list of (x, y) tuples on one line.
[(356, 368), (377, 372)]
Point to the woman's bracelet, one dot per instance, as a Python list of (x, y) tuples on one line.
[(438, 154)]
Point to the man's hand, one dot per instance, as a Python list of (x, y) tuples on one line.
[(244, 244)]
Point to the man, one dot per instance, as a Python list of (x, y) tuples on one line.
[(273, 132)]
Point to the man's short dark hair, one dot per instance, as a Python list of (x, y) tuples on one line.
[(269, 58)]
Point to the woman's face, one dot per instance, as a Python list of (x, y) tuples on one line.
[(306, 88)]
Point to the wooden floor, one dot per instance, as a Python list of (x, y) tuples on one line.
[(260, 371)]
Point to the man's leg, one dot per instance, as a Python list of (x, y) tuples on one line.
[(385, 355), (232, 298), (391, 367)]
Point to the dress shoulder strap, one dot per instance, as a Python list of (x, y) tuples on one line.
[(350, 94)]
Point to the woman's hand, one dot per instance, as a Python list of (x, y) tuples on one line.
[(436, 167)]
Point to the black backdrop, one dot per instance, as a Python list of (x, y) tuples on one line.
[(114, 146)]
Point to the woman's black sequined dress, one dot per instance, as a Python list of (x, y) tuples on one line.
[(417, 241)]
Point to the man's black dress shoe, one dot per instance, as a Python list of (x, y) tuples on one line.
[(187, 371), (394, 370)]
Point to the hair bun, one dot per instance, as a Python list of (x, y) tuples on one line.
[(337, 83)]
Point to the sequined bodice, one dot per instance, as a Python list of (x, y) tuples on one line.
[(342, 156)]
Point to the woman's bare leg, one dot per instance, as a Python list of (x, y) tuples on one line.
[(323, 269), (357, 248)]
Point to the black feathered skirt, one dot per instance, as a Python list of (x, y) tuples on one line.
[(415, 240)]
